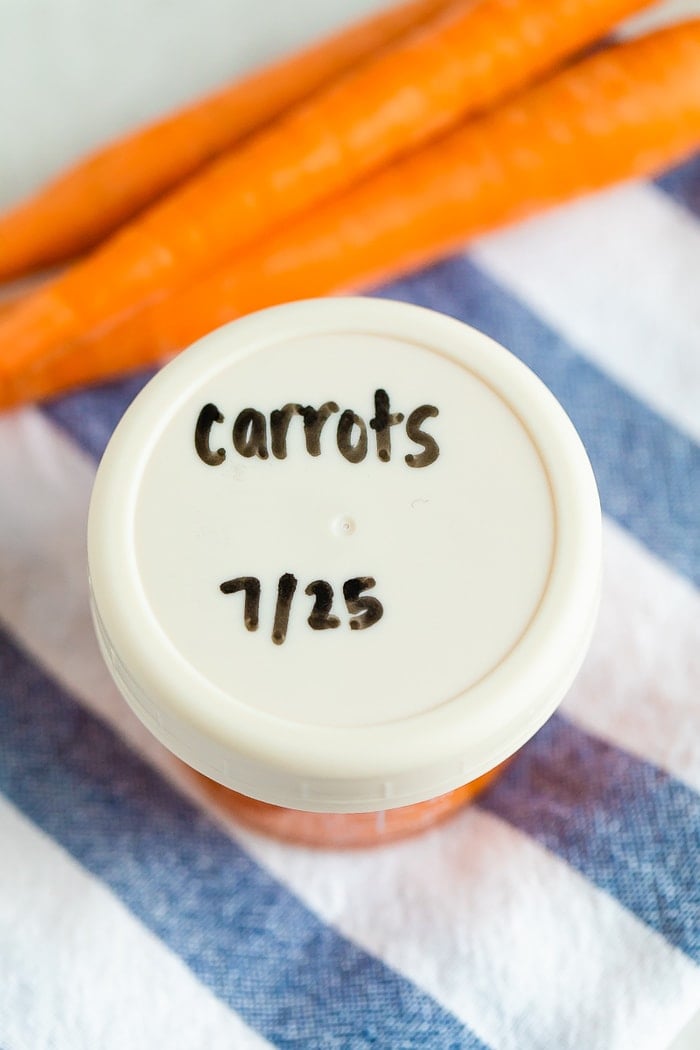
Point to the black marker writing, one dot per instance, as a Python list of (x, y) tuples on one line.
[(353, 452), (285, 592), (279, 425), (314, 422), (382, 422), (251, 586), (249, 433), (413, 429), (365, 610), (320, 618), (206, 419), (368, 610)]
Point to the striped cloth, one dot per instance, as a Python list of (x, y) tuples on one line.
[(561, 912)]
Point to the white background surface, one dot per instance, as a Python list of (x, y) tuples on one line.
[(74, 73)]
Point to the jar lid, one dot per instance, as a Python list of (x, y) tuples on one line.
[(344, 554)]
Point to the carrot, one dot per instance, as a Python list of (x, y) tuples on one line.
[(75, 211), (464, 60), (11, 294), (626, 112)]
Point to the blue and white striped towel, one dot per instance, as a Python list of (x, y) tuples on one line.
[(560, 913)]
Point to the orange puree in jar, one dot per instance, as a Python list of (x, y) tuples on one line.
[(346, 830)]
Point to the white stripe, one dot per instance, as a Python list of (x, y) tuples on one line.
[(616, 274), (80, 972), (484, 919), (639, 684), (504, 934)]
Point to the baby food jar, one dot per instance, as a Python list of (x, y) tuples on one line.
[(344, 559)]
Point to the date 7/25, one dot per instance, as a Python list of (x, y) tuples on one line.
[(365, 610)]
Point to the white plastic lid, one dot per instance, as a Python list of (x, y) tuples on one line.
[(395, 469)]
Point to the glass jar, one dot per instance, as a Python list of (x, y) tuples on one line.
[(344, 558)]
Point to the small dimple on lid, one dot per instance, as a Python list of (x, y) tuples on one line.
[(344, 553)]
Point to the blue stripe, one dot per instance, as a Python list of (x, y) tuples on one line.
[(91, 415), (683, 184), (648, 472), (245, 936), (629, 827)]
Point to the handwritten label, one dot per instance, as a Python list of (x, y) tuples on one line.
[(253, 435), (365, 610)]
